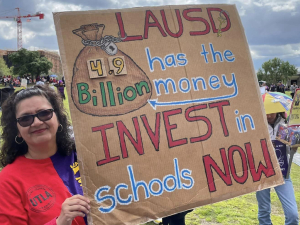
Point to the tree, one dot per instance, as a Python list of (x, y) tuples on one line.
[(4, 70), (28, 62), (276, 69)]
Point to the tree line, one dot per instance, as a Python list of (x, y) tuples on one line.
[(276, 70), (26, 63)]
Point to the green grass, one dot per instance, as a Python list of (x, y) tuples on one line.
[(242, 210)]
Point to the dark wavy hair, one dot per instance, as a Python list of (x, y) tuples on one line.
[(10, 150)]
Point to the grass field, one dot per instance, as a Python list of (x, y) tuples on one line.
[(243, 210), (240, 210)]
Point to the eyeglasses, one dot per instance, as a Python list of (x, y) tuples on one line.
[(27, 120)]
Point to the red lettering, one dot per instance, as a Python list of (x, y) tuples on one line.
[(221, 114), (179, 20), (209, 163), (153, 24), (189, 18), (122, 30), (169, 127), (107, 159), (215, 30), (154, 136), (268, 170), (239, 179), (197, 118), (138, 143)]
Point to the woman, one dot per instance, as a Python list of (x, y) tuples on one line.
[(285, 192), (40, 181)]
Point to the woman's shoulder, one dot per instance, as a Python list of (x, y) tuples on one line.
[(11, 169), (9, 174)]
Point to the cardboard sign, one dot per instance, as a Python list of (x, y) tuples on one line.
[(182, 127), (280, 149)]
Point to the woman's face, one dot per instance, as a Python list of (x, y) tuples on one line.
[(271, 118), (39, 132)]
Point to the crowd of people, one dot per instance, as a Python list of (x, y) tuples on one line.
[(16, 81), (279, 87), (10, 81), (51, 81)]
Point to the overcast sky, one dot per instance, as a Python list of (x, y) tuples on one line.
[(272, 26)]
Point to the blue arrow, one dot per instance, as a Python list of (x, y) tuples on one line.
[(154, 102)]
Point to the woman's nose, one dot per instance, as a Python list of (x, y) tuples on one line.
[(36, 121)]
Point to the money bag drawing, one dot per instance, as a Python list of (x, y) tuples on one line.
[(110, 94)]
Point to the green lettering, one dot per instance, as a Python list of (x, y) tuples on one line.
[(129, 98), (103, 95), (82, 92), (94, 101), (139, 87), (111, 94), (120, 98)]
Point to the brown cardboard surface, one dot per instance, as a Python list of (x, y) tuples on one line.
[(175, 127)]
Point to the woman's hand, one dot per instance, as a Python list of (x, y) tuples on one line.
[(72, 207)]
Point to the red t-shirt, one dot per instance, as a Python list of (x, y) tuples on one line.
[(32, 191)]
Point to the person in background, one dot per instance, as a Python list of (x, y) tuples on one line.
[(293, 89), (61, 89), (50, 86), (280, 87), (177, 219), (285, 192), (17, 83), (11, 83), (263, 88), (5, 81), (40, 182), (273, 87)]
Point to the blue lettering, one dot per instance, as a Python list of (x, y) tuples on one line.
[(165, 84), (214, 82), (160, 189), (156, 187), (177, 173), (204, 53), (169, 177), (188, 88), (135, 185), (229, 84), (100, 199), (214, 53), (243, 118), (195, 83), (117, 194), (186, 177), (238, 123), (172, 63), (227, 54), (182, 59), (151, 60)]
